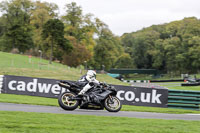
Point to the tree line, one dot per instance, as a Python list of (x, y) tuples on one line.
[(171, 47), (75, 39)]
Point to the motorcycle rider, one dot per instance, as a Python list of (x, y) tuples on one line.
[(88, 80)]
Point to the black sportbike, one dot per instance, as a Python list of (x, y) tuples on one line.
[(98, 97)]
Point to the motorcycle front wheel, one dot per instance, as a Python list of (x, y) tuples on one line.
[(112, 104), (65, 102)]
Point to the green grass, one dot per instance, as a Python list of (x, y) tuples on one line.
[(158, 110), (22, 61), (23, 99), (10, 98), (151, 77), (177, 86), (23, 122), (19, 65), (192, 88)]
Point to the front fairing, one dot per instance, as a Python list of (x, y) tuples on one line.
[(104, 94)]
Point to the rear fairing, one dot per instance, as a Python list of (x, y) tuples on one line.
[(69, 87)]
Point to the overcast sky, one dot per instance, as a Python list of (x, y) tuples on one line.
[(124, 16)]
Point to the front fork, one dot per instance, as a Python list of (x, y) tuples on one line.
[(110, 99)]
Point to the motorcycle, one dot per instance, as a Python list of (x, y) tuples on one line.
[(98, 97)]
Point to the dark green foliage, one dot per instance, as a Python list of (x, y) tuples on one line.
[(124, 61), (54, 29), (107, 50), (17, 31), (172, 47), (20, 37)]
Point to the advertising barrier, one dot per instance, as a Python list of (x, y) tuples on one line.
[(142, 96), (128, 95), (31, 86)]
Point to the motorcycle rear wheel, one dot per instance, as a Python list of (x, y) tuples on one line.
[(65, 103), (112, 104)]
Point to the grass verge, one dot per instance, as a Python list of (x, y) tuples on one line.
[(177, 86), (20, 99), (189, 88), (20, 122)]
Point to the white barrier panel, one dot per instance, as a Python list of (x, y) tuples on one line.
[(1, 87), (1, 82), (136, 81)]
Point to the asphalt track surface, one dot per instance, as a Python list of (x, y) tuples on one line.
[(58, 110)]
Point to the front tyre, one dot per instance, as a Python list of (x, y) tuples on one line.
[(65, 102), (112, 104)]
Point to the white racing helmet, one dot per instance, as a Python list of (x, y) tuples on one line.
[(91, 73)]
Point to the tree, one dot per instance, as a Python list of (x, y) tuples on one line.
[(124, 61), (127, 43), (73, 20), (18, 33), (2, 31), (77, 57), (54, 30), (142, 48), (159, 55), (79, 29), (171, 47), (41, 13), (194, 52), (107, 50)]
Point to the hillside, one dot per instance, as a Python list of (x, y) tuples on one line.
[(171, 47), (22, 65)]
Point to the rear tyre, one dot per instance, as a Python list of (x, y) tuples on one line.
[(112, 104), (65, 103)]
